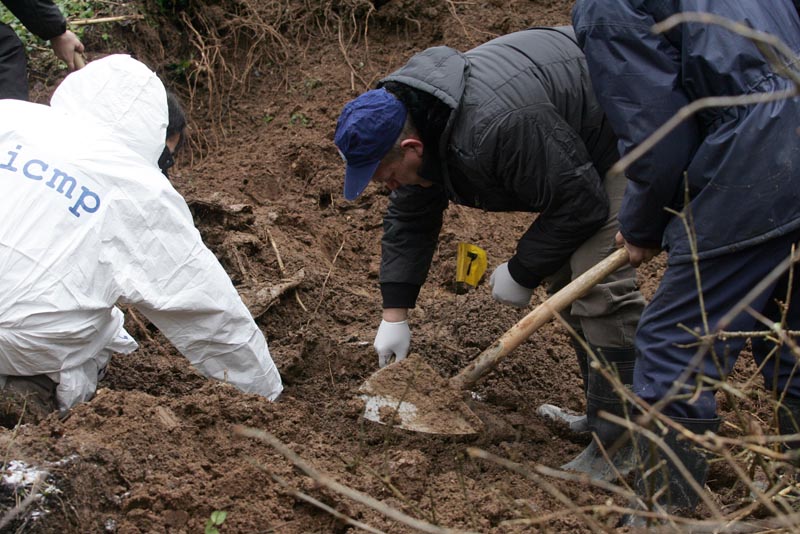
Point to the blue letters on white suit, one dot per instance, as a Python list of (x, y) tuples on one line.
[(87, 201)]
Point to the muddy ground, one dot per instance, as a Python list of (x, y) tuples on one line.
[(156, 450)]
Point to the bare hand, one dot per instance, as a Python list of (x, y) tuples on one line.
[(637, 255), (65, 47)]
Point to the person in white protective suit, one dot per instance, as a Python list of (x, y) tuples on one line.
[(89, 220)]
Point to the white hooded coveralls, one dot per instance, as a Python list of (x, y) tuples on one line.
[(89, 221)]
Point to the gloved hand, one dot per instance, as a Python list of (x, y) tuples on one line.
[(392, 339), (506, 290)]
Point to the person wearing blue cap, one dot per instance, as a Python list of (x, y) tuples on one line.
[(511, 125)]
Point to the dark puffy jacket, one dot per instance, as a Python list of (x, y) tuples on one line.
[(526, 134), (41, 17), (742, 163)]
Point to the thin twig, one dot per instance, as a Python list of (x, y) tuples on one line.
[(767, 43), (102, 20), (387, 483), (328, 482), (282, 268), (325, 282), (133, 314), (297, 494), (33, 496), (687, 111), (551, 489)]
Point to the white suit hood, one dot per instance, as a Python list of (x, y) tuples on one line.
[(123, 97)]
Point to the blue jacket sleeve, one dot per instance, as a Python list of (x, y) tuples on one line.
[(637, 78)]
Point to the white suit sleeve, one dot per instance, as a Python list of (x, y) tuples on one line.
[(179, 285)]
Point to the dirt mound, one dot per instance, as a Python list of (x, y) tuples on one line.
[(156, 450)]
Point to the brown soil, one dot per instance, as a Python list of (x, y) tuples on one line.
[(156, 450)]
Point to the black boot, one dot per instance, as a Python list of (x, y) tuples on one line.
[(602, 397), (576, 423), (659, 484), (789, 423)]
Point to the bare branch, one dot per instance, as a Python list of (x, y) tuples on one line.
[(328, 482), (690, 109)]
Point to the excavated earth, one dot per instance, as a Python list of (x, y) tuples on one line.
[(160, 448)]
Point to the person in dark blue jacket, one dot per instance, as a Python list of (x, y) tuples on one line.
[(44, 19), (733, 175)]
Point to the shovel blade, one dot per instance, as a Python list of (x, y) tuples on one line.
[(411, 395)]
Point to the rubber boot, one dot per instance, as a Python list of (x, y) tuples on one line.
[(576, 423), (602, 397), (789, 423), (659, 484)]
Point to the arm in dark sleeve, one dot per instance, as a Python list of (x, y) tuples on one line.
[(637, 78), (543, 162), (41, 17), (410, 233)]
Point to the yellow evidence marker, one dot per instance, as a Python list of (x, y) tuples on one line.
[(470, 264)]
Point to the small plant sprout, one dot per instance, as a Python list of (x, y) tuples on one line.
[(214, 521), (300, 118)]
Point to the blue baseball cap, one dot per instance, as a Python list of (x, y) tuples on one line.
[(366, 131)]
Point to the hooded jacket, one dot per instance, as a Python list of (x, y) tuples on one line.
[(740, 164), (525, 134), (91, 221)]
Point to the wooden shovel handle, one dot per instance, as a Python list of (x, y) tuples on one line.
[(540, 315), (80, 61)]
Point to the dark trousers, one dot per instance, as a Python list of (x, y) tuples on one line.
[(13, 65), (725, 281)]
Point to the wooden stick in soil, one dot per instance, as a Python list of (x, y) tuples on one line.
[(282, 268), (328, 482)]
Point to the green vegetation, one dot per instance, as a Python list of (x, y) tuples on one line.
[(72, 10), (217, 518), (300, 118)]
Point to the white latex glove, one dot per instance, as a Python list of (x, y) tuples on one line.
[(392, 339), (506, 290)]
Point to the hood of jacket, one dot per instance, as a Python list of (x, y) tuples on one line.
[(440, 71), (122, 96)]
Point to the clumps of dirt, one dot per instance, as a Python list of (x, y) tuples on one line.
[(412, 395), (156, 450)]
